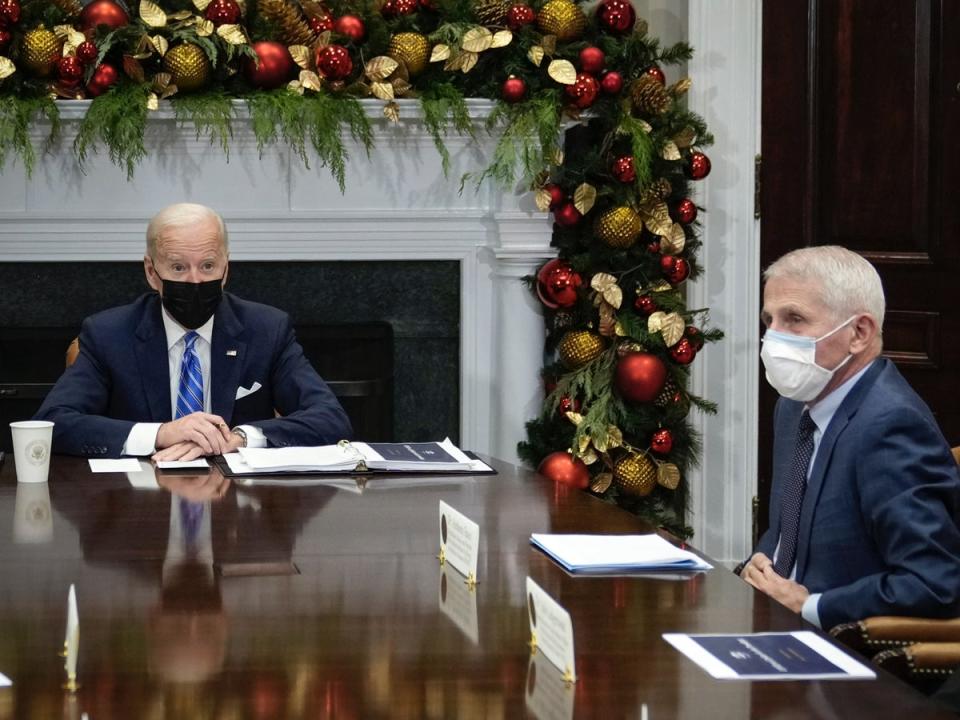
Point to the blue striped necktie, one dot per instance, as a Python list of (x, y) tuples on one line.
[(190, 393)]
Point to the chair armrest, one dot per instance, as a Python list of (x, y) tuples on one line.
[(920, 660), (880, 633)]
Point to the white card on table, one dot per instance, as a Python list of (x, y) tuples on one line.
[(551, 628), (459, 540), (459, 604), (100, 465), (548, 697)]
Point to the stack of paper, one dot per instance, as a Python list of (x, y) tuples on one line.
[(612, 554)]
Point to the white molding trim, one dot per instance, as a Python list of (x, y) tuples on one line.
[(726, 37)]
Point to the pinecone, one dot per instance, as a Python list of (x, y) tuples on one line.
[(289, 21), (667, 395), (40, 50), (579, 347), (649, 97), (662, 188), (412, 49), (619, 227), (563, 19), (70, 8), (491, 12), (188, 66), (635, 475)]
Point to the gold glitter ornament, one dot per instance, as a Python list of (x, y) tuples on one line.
[(619, 227), (563, 19), (579, 347), (635, 475), (39, 51), (188, 66), (491, 12), (412, 49)]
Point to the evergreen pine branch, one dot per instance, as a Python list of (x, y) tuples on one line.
[(440, 103), (118, 119), (16, 116), (211, 114)]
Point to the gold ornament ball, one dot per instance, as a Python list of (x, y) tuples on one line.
[(412, 49), (563, 19), (188, 66), (619, 227), (579, 347), (39, 51), (635, 475)]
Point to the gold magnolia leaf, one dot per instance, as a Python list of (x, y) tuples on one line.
[(400, 86), (542, 199), (205, 28), (133, 68), (655, 321), (668, 475), (160, 44), (589, 457), (468, 61), (549, 43), (670, 151), (296, 86), (301, 56), (152, 15), (600, 443), (606, 285), (558, 156), (502, 38), (391, 111), (562, 71), (382, 90), (681, 87), (601, 281), (645, 126), (168, 91), (614, 436), (674, 242), (535, 55), (153, 102), (477, 39), (7, 68), (380, 68), (619, 329), (439, 53), (180, 15), (201, 5), (584, 197), (671, 328), (614, 296), (656, 217), (233, 34), (310, 80), (607, 324), (686, 137), (574, 417), (640, 27), (601, 483), (323, 39), (583, 442)]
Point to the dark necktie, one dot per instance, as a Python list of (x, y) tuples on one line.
[(793, 491), (191, 515)]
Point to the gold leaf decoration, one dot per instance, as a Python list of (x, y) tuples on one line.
[(542, 200), (614, 437), (382, 90), (681, 87), (7, 68), (558, 156), (670, 151), (205, 28), (391, 111), (549, 43), (607, 325), (606, 285), (673, 242), (179, 15), (310, 80), (589, 457), (439, 53), (619, 330), (233, 34), (668, 476), (670, 326), (640, 27), (468, 61), (600, 443), (201, 5), (502, 38), (160, 81), (477, 40), (380, 68), (153, 102), (160, 44), (576, 418), (656, 217), (295, 86), (152, 15), (562, 71), (535, 54), (584, 197), (686, 137), (301, 56), (400, 86), (583, 442), (601, 483)]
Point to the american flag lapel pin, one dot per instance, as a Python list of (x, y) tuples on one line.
[(231, 353)]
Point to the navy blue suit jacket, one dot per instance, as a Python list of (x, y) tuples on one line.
[(122, 377), (878, 526)]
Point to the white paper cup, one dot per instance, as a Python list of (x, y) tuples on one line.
[(32, 517), (31, 449)]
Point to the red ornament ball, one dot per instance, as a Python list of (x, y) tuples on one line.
[(686, 211), (698, 166), (653, 246), (645, 304), (513, 89), (320, 23), (103, 77), (334, 62), (350, 26), (617, 16), (5, 38), (675, 269), (557, 195), (583, 91), (567, 215), (640, 377), (695, 336), (394, 8), (70, 71), (557, 284), (662, 441), (520, 15), (611, 82), (564, 469), (223, 12), (568, 404), (275, 65), (592, 59), (87, 52), (9, 13), (656, 73), (103, 12), (623, 169), (683, 352)]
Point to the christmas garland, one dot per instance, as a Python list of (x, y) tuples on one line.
[(615, 415)]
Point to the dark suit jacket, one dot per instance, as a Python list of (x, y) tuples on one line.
[(878, 526), (122, 376)]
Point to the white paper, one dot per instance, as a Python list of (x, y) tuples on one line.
[(459, 540), (145, 478), (551, 625), (181, 464), (114, 465), (617, 553), (5, 681)]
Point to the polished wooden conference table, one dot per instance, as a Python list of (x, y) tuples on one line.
[(329, 602)]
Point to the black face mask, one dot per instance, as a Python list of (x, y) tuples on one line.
[(192, 304)]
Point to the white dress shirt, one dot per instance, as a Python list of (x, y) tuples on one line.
[(142, 439)]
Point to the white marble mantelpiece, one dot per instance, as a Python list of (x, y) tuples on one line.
[(398, 205)]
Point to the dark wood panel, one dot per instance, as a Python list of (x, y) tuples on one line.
[(911, 339)]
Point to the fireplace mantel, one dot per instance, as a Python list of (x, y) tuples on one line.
[(398, 205)]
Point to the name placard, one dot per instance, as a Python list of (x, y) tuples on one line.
[(551, 630), (459, 541), (459, 604), (548, 697)]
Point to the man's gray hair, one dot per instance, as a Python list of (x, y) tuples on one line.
[(179, 215), (848, 283)]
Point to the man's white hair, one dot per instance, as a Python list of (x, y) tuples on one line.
[(178, 215), (848, 284)]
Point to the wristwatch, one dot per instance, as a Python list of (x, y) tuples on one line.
[(242, 433)]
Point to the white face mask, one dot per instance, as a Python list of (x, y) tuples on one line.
[(791, 363)]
